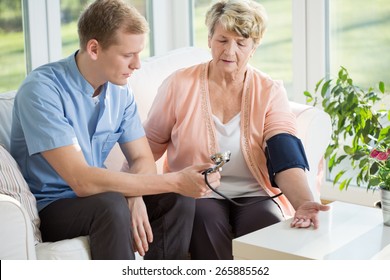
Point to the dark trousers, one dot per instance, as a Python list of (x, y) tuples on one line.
[(171, 217), (217, 222), (105, 217)]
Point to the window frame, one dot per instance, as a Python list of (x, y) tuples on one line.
[(42, 32)]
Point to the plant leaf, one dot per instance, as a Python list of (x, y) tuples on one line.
[(382, 86), (325, 88)]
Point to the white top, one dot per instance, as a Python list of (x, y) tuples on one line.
[(236, 178)]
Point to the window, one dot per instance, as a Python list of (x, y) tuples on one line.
[(12, 59), (360, 40), (274, 55), (70, 11)]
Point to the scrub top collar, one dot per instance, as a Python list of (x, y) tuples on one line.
[(78, 79)]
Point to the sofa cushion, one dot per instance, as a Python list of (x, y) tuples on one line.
[(67, 249), (13, 184)]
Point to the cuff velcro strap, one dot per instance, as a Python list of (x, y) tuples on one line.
[(284, 151)]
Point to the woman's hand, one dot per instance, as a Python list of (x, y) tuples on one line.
[(307, 214), (142, 231)]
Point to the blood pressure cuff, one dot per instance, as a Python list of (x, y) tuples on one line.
[(284, 151)]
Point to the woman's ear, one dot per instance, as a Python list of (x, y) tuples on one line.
[(254, 50)]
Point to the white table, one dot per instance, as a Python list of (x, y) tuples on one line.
[(346, 231)]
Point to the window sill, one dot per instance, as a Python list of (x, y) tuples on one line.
[(353, 195)]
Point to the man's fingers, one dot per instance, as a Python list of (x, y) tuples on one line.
[(138, 242), (149, 232), (141, 239)]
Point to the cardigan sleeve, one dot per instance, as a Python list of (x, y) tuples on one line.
[(161, 119), (279, 116)]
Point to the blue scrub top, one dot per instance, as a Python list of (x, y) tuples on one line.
[(54, 108)]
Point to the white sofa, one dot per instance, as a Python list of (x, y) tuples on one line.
[(16, 236)]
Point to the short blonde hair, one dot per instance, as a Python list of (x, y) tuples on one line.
[(247, 18), (103, 18)]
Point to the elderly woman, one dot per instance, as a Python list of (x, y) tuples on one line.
[(227, 105)]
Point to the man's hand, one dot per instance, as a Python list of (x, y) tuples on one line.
[(142, 231), (307, 214), (191, 181)]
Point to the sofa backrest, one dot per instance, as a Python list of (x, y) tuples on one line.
[(145, 82), (314, 127), (154, 70)]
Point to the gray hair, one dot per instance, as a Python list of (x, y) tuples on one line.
[(247, 18)]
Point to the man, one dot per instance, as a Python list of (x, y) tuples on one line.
[(67, 117)]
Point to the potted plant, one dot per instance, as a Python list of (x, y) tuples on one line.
[(381, 158), (360, 132)]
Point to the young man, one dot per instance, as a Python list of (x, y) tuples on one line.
[(67, 117)]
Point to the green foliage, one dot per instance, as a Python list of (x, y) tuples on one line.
[(358, 125), (70, 9), (10, 16)]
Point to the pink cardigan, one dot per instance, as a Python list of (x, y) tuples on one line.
[(180, 122)]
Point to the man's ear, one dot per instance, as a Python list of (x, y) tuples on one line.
[(93, 48)]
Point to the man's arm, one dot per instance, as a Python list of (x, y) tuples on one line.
[(139, 157), (140, 161), (85, 180)]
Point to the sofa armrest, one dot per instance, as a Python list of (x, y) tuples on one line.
[(16, 236), (314, 129)]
